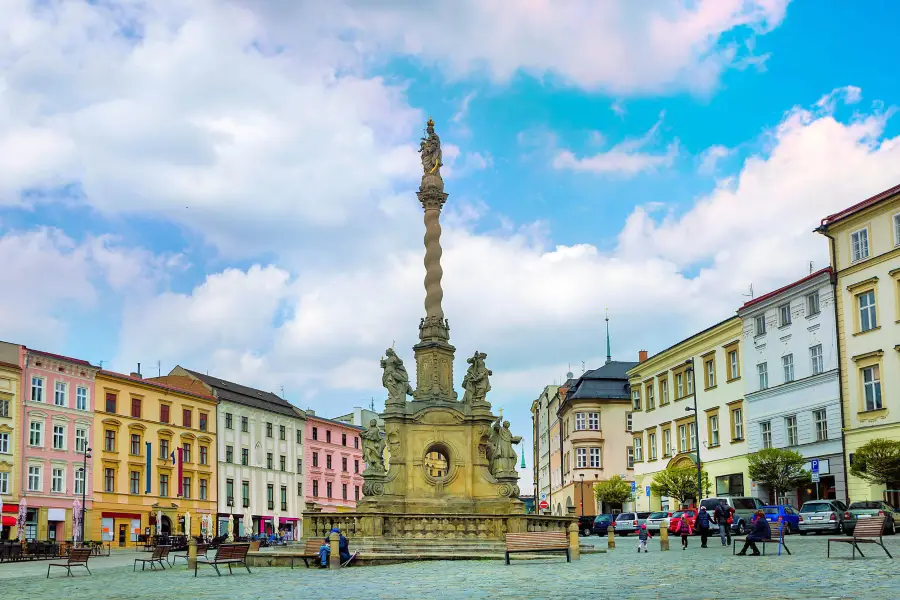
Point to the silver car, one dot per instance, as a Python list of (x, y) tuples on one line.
[(629, 522), (656, 520), (822, 516)]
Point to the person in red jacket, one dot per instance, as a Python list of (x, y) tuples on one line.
[(684, 530)]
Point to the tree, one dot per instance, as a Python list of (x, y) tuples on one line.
[(679, 483), (877, 461), (778, 468), (614, 490)]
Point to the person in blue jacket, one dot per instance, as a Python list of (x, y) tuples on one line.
[(761, 531), (703, 524), (343, 548)]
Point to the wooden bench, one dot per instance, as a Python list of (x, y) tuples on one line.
[(201, 551), (159, 557), (78, 557), (226, 554), (776, 536), (540, 541), (310, 551), (865, 532)]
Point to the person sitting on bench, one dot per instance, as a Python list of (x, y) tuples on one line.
[(761, 531), (343, 548)]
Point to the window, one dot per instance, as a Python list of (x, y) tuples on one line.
[(594, 421), (204, 455), (37, 389), (315, 491), (627, 421), (203, 419), (59, 437), (651, 401), (270, 496), (203, 492), (110, 402), (356, 442), (630, 457), (245, 424), (328, 461), (186, 417), (812, 304), (110, 444), (579, 421), (4, 443), (328, 489), (186, 487), (344, 464), (283, 464), (315, 433), (229, 492), (36, 434), (245, 494), (787, 363), (109, 480), (81, 440), (315, 459), (229, 454), (710, 373), (867, 318), (790, 425), (821, 421), (651, 446), (732, 485), (282, 433), (229, 421), (268, 430), (136, 408), (760, 324), (299, 437), (871, 377), (269, 460), (679, 386), (344, 491), (4, 408), (635, 401), (859, 244), (765, 430), (34, 479), (299, 465), (816, 359), (692, 430), (164, 449), (245, 457), (164, 486), (784, 315), (328, 435), (897, 229), (667, 442), (714, 430), (737, 418), (356, 466), (57, 480), (186, 452), (81, 400), (356, 492), (663, 391), (284, 496), (762, 369), (163, 413), (135, 444), (682, 438), (690, 382), (581, 457), (79, 481), (595, 458), (134, 483), (59, 397), (343, 439), (733, 370)]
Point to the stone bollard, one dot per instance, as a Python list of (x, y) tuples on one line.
[(574, 543), (334, 541), (611, 537), (192, 554), (664, 535)]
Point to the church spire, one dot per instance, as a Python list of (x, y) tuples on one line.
[(608, 348)]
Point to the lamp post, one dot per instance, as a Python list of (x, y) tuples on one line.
[(582, 493), (87, 455), (691, 374)]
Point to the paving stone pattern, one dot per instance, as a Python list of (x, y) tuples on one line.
[(623, 573)]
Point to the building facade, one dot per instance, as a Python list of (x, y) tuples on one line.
[(556, 457), (57, 427), (334, 460), (864, 240), (138, 487), (792, 383), (665, 429), (260, 455), (540, 418), (10, 399)]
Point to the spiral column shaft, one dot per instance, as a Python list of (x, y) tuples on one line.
[(434, 295)]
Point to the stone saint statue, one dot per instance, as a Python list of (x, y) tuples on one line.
[(476, 382), (503, 457), (430, 149), (395, 378), (373, 448)]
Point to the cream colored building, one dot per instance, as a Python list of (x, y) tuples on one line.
[(10, 379), (665, 432), (541, 418), (865, 249)]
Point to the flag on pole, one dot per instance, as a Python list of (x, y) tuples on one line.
[(149, 451), (180, 466)]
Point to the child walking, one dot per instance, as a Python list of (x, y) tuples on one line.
[(643, 536), (684, 530)]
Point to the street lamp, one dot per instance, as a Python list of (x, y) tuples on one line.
[(87, 455), (691, 374), (582, 493)]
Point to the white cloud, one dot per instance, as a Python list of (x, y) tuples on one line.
[(849, 94), (710, 158)]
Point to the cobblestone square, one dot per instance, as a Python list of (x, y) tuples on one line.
[(622, 573)]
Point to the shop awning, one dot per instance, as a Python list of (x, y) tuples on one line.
[(11, 508), (9, 521)]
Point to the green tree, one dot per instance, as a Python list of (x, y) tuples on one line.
[(877, 461), (679, 483), (614, 490), (778, 468)]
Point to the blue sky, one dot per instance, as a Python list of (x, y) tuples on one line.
[(233, 190)]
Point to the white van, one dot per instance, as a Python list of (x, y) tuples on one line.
[(744, 508)]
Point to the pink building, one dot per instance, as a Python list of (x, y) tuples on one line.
[(334, 464), (56, 426)]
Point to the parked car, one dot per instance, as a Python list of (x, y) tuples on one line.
[(690, 515), (629, 522), (586, 524), (788, 514), (874, 508), (655, 520), (825, 515), (602, 523), (744, 509)]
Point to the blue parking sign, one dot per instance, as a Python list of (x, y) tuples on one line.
[(814, 465), (648, 491), (633, 487)]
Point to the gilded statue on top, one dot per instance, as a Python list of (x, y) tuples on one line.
[(430, 149)]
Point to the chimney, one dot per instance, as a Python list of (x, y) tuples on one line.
[(138, 375), (642, 356)]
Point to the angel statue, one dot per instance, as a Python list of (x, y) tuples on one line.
[(430, 149), (395, 378), (476, 382), (373, 447)]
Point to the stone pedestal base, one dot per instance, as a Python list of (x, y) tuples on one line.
[(434, 371)]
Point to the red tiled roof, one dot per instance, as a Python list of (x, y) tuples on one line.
[(77, 361), (859, 206), (155, 384), (787, 287)]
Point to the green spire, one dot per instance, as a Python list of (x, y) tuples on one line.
[(608, 348), (523, 460)]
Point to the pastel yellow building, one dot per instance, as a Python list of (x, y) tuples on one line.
[(10, 378), (665, 431), (138, 424), (865, 254)]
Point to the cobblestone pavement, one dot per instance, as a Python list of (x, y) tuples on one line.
[(622, 573)]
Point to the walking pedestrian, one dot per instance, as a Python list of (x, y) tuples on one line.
[(703, 524), (723, 520), (643, 536), (761, 531), (684, 530)]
